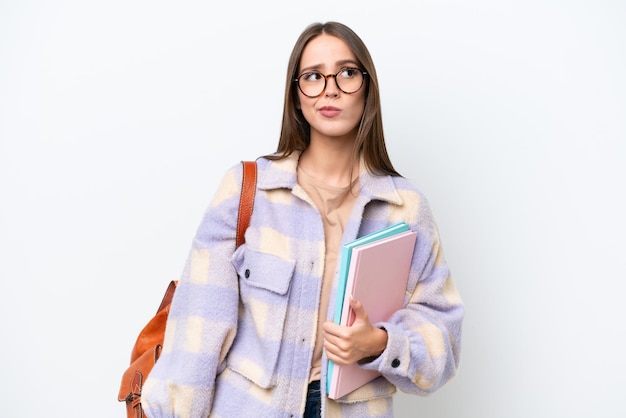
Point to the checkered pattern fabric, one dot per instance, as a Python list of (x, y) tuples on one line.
[(240, 334)]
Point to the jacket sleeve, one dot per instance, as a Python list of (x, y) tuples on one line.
[(424, 338), (202, 322)]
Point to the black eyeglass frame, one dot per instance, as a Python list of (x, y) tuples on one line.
[(327, 76)]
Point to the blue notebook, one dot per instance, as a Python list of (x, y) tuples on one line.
[(346, 253)]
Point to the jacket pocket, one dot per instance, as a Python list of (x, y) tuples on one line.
[(264, 281)]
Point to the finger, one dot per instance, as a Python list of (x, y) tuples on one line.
[(335, 354), (359, 311), (338, 342), (337, 360), (330, 327), (339, 332)]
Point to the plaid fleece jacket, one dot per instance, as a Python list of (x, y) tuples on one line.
[(240, 334)]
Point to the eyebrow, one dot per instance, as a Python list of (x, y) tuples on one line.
[(341, 63)]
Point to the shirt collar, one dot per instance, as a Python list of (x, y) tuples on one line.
[(281, 174)]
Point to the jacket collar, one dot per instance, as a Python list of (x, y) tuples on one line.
[(281, 174)]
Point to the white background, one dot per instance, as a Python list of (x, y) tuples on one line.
[(118, 118)]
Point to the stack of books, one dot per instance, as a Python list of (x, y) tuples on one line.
[(374, 270)]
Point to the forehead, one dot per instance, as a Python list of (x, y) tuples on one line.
[(326, 51)]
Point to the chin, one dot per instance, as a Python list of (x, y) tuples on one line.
[(337, 133)]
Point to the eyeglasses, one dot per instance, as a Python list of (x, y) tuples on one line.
[(313, 83)]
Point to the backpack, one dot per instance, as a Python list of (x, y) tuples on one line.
[(147, 348)]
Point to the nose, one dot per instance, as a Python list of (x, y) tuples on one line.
[(332, 89)]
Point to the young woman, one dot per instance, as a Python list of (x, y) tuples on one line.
[(249, 332)]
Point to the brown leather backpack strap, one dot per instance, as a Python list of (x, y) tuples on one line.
[(246, 202), (169, 294)]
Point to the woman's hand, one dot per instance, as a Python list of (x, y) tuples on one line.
[(359, 341)]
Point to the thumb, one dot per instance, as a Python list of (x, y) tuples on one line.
[(358, 310)]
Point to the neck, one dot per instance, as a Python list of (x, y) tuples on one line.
[(330, 161)]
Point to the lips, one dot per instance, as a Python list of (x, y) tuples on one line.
[(329, 111)]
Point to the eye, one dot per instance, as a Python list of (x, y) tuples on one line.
[(349, 72), (312, 76)]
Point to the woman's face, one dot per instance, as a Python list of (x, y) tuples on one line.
[(334, 113)]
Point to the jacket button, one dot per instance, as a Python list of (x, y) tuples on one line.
[(395, 363), (247, 273)]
